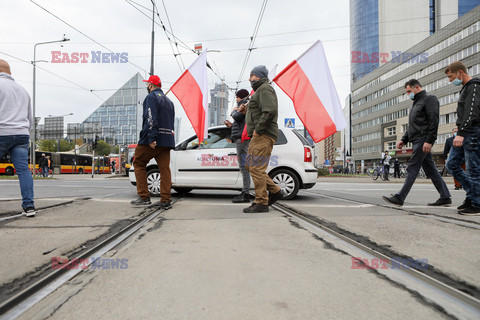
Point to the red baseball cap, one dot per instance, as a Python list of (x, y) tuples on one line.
[(154, 80)]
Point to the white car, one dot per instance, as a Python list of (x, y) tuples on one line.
[(213, 164)]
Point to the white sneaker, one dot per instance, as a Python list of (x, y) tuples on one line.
[(29, 212)]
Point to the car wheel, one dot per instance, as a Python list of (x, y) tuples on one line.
[(288, 181), (153, 182), (80, 170), (9, 171), (182, 190)]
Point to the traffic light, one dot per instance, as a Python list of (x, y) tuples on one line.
[(95, 142)]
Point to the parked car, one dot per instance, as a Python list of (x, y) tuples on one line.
[(213, 164)]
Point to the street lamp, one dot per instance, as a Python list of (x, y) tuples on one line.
[(34, 62)]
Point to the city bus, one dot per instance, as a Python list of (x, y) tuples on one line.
[(62, 162)]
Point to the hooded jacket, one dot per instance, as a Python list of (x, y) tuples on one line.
[(16, 117), (158, 120), (468, 110), (423, 119), (262, 110)]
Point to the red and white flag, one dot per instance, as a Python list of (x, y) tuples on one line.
[(191, 89), (308, 82)]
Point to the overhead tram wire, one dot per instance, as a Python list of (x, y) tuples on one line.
[(171, 30), (56, 75), (252, 41), (159, 24), (85, 35)]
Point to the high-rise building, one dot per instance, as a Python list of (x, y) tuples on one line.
[(53, 129), (382, 30), (217, 108), (119, 119), (380, 107)]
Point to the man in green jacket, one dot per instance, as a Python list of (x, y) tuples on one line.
[(261, 119)]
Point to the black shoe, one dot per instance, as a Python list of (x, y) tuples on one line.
[(243, 197), (29, 212), (441, 202), (274, 197), (466, 204), (256, 208), (394, 199), (470, 211), (141, 202), (164, 205)]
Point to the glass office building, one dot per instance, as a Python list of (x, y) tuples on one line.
[(363, 36), (119, 119)]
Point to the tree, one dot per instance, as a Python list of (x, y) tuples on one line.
[(102, 149), (47, 145), (66, 146)]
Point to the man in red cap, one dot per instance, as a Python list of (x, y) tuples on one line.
[(156, 141)]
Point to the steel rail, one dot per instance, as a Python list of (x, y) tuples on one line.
[(447, 298), (24, 300)]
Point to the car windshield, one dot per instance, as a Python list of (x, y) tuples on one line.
[(217, 139)]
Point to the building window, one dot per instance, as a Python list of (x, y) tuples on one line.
[(392, 146), (392, 131)]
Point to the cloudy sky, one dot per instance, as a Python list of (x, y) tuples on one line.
[(286, 30)]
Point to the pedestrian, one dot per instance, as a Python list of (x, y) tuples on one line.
[(113, 166), (238, 125), (262, 128), (43, 165), (466, 146), (50, 164), (446, 151), (396, 168), (156, 141), (422, 133), (16, 121), (386, 165)]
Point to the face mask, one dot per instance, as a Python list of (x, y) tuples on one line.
[(454, 134), (411, 95), (456, 82), (148, 89), (252, 82)]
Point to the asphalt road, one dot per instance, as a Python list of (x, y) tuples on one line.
[(205, 259)]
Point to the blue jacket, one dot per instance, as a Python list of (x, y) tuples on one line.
[(158, 120)]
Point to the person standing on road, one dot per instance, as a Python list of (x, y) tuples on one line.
[(156, 141), (262, 128), (16, 121), (43, 165), (396, 168), (238, 115), (386, 165), (446, 151), (422, 132), (466, 146)]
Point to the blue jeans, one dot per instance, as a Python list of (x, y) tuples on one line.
[(17, 146), (470, 153)]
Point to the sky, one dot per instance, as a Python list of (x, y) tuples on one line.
[(225, 27)]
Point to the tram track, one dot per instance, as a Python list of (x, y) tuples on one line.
[(457, 299), (22, 301)]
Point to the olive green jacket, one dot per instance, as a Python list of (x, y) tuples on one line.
[(262, 112)]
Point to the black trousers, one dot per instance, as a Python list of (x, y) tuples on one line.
[(423, 160)]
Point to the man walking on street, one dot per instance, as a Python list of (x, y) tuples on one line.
[(16, 121), (422, 133), (43, 165), (156, 141), (466, 146), (238, 115), (262, 127)]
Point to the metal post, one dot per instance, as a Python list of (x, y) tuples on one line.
[(153, 38), (75, 150), (93, 162)]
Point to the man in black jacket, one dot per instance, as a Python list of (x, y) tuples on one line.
[(422, 133), (466, 144), (156, 141), (238, 115)]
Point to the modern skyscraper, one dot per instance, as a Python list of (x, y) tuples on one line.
[(217, 108), (381, 30)]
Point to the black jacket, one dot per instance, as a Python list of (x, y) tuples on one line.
[(448, 146), (468, 110), (158, 120), (423, 119), (43, 162), (239, 121)]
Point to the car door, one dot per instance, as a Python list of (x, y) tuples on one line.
[(209, 164)]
